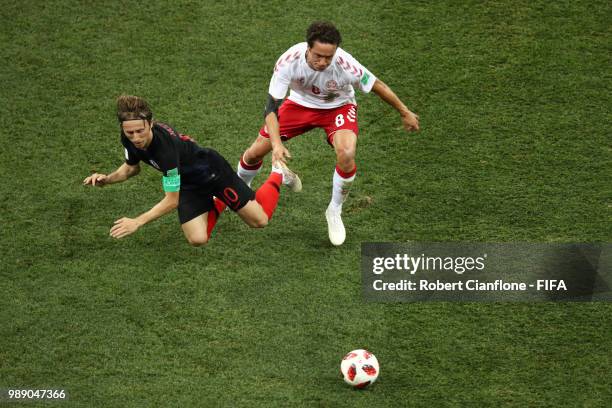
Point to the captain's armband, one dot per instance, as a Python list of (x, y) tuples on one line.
[(172, 181)]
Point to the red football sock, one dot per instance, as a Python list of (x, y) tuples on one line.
[(267, 194), (213, 215)]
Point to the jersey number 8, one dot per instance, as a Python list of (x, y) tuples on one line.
[(339, 120)]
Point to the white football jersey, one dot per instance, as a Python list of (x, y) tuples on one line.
[(326, 89)]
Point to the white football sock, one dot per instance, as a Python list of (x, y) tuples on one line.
[(342, 186), (248, 172)]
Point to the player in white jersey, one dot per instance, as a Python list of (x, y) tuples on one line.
[(322, 78)]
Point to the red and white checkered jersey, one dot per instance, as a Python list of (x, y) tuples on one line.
[(333, 87)]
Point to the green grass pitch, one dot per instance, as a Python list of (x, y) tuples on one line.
[(514, 101)]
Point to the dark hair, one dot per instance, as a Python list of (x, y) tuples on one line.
[(131, 107), (324, 32)]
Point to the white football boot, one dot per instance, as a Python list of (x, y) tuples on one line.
[(290, 179), (335, 226)]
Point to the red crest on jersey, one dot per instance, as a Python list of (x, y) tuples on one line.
[(331, 85)]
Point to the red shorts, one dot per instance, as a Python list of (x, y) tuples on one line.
[(296, 119)]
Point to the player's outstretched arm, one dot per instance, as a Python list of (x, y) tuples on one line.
[(124, 172), (279, 152), (126, 226), (410, 120)]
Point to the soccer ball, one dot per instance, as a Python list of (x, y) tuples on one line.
[(359, 368)]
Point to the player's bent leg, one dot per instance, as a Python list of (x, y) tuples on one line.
[(257, 213), (253, 215), (198, 212), (195, 230)]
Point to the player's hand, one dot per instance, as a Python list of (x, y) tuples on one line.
[(96, 179), (410, 121), (280, 154), (124, 227)]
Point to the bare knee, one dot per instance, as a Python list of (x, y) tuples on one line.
[(259, 222), (251, 157), (345, 157), (257, 151), (198, 240)]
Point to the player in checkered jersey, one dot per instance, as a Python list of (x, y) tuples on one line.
[(322, 78), (197, 181)]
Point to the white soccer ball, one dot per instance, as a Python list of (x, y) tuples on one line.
[(360, 368)]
